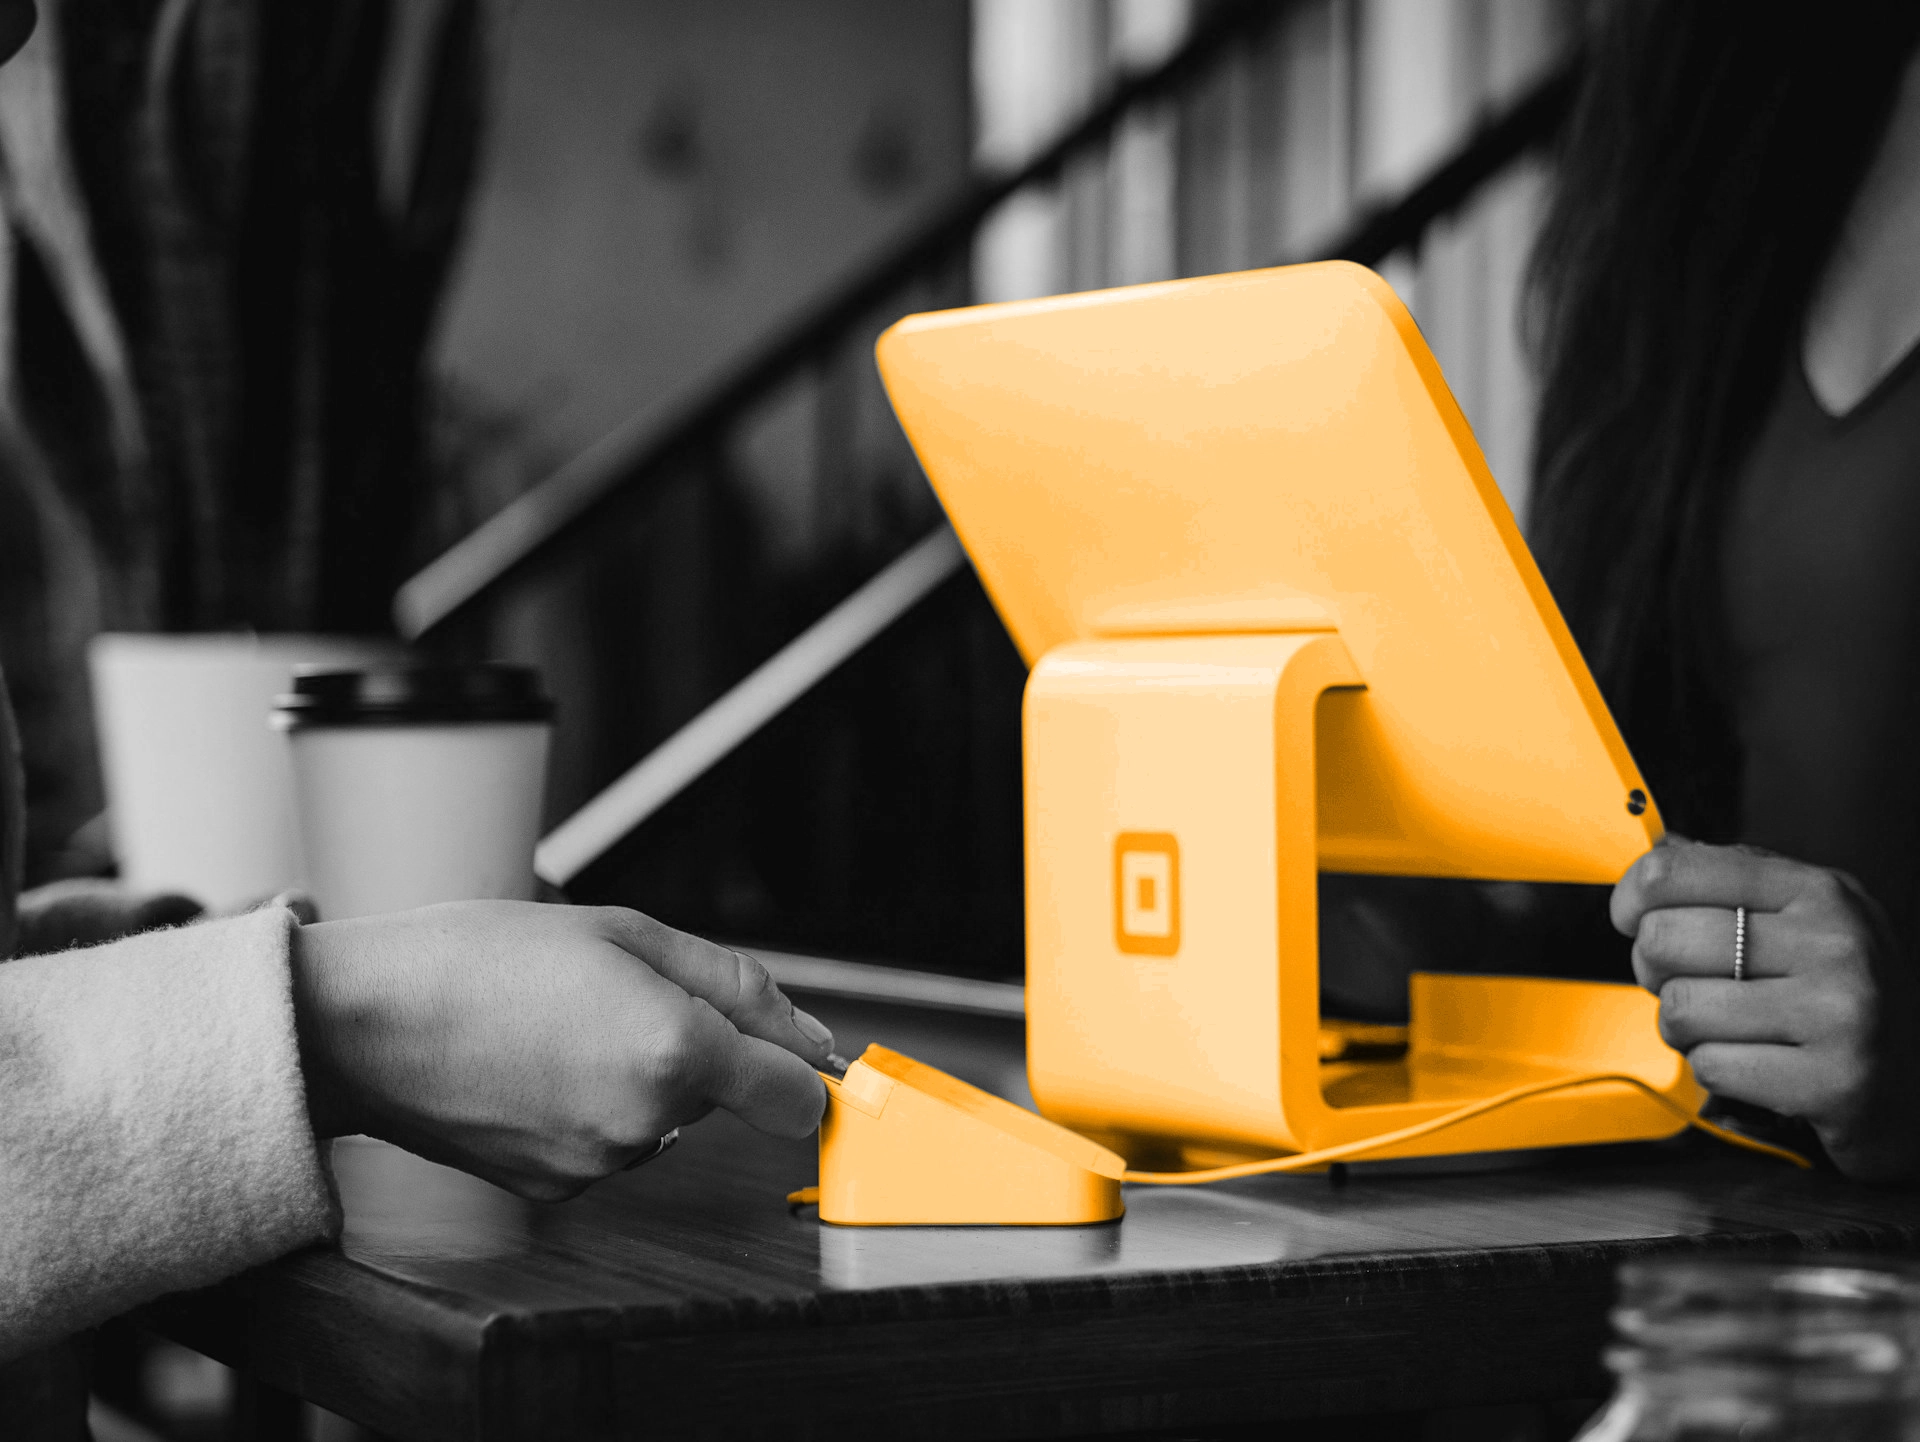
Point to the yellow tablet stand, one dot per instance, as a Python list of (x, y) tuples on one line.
[(1280, 619), (1173, 974)]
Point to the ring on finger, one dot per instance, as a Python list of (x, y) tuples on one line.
[(654, 1152), (1739, 943)]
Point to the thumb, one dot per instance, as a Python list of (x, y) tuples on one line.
[(765, 1085)]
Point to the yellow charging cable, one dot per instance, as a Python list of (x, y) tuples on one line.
[(1348, 1151)]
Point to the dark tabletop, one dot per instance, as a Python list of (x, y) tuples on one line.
[(685, 1299)]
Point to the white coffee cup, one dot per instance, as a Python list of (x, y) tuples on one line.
[(417, 784), (199, 792)]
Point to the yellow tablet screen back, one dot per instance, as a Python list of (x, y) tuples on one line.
[(1269, 452)]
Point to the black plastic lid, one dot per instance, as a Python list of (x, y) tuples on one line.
[(410, 694)]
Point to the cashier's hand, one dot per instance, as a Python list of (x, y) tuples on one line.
[(1824, 1027), (542, 1047)]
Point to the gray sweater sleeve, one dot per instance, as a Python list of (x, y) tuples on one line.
[(153, 1126)]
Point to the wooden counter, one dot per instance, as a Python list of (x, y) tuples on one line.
[(686, 1300)]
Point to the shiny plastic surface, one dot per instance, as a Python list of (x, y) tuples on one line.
[(1277, 451)]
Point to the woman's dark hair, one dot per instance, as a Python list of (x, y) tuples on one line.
[(1706, 173)]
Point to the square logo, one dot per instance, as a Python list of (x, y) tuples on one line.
[(1146, 893)]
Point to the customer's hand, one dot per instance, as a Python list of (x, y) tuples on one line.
[(85, 912), (542, 1047), (1825, 1026)]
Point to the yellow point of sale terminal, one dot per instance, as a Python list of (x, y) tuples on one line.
[(1280, 619)]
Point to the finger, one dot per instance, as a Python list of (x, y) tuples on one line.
[(1696, 1010), (1699, 941), (1691, 874), (763, 1084), (732, 983), (1780, 1078)]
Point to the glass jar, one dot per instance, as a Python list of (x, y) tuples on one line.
[(1763, 1351)]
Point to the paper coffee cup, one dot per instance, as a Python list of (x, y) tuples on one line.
[(417, 784), (199, 793)]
